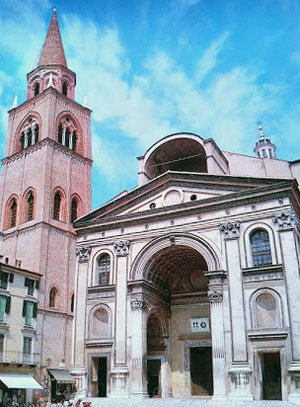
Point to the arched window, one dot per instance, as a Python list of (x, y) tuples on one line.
[(260, 245), (36, 89), (74, 209), (104, 269), (29, 206), (12, 213), (266, 311), (100, 323), (72, 303), (56, 206), (66, 132), (65, 89), (29, 133), (52, 296)]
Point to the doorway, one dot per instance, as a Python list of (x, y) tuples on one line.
[(99, 377), (201, 371), (153, 377), (271, 376)]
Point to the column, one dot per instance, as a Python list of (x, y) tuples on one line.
[(287, 224), (119, 373), (139, 347), (78, 338), (215, 296), (239, 371)]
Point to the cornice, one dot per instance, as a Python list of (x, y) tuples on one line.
[(186, 209), (43, 143), (171, 178), (37, 225)]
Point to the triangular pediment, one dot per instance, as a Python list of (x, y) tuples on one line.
[(174, 190)]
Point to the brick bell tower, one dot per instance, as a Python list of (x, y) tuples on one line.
[(45, 186)]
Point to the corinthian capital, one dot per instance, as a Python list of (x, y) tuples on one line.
[(286, 220), (139, 304), (121, 247), (215, 296), (230, 230), (83, 254)]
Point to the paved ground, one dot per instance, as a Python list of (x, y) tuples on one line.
[(195, 402)]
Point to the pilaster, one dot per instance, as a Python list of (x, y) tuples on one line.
[(78, 342), (215, 295), (120, 372), (239, 371), (139, 347), (287, 224)]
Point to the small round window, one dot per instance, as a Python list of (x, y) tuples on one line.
[(152, 205), (193, 197)]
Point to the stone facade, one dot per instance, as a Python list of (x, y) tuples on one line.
[(202, 279)]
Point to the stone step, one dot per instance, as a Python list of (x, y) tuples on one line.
[(192, 402)]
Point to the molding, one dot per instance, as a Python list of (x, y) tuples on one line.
[(267, 335), (44, 143), (271, 272)]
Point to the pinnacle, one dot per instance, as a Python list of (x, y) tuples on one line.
[(53, 51)]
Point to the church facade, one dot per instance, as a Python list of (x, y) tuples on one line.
[(188, 284), (185, 286)]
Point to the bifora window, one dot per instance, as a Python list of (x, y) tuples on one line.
[(260, 245), (29, 133), (104, 269), (66, 133)]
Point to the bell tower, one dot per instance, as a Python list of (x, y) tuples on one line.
[(45, 186)]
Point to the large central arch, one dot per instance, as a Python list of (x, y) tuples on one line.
[(205, 249), (170, 272)]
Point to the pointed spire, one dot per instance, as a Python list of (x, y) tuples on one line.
[(85, 103), (53, 51), (15, 103)]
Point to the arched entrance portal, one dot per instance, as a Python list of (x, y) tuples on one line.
[(179, 356)]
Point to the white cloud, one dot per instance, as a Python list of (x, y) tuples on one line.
[(209, 59)]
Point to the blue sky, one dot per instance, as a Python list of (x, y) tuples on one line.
[(153, 67)]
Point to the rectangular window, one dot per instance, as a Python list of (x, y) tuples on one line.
[(29, 283), (4, 307), (2, 339), (3, 280), (27, 350), (29, 312)]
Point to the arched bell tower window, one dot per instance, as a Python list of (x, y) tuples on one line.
[(103, 269), (66, 132), (12, 213), (29, 133), (65, 89), (36, 89), (30, 206), (57, 206), (260, 246), (74, 210), (52, 296)]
